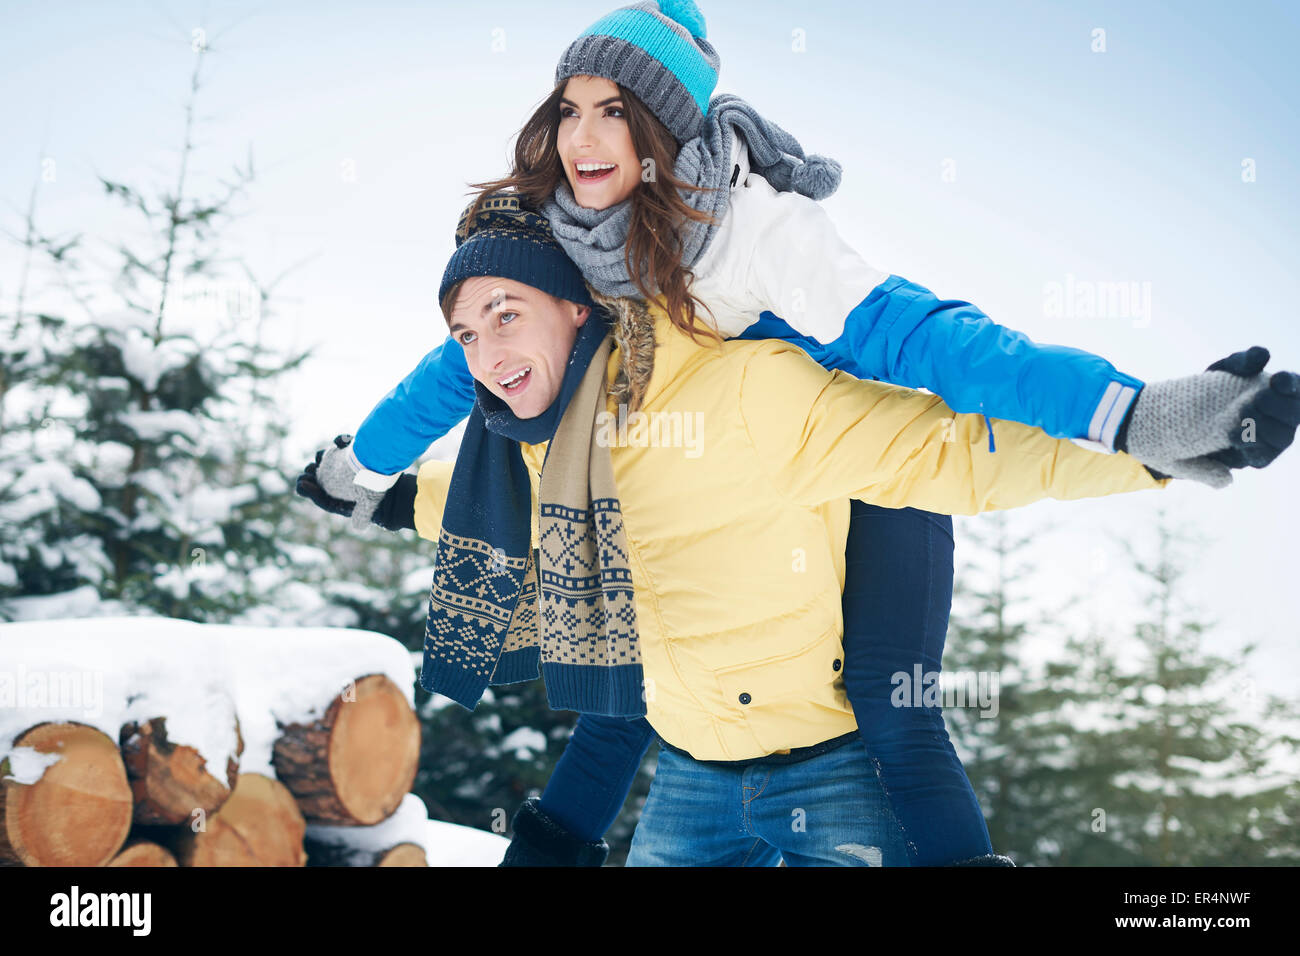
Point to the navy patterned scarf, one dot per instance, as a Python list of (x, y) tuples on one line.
[(495, 610)]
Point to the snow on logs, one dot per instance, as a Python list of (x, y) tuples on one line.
[(152, 741)]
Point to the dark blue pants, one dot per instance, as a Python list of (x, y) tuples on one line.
[(897, 596)]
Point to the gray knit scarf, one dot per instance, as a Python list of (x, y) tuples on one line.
[(595, 238)]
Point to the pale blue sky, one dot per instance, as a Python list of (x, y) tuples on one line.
[(987, 152)]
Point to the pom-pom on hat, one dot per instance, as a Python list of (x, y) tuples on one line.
[(510, 239), (658, 51)]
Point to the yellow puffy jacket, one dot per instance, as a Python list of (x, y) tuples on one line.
[(734, 490)]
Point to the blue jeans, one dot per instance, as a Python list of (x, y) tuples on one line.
[(828, 810)]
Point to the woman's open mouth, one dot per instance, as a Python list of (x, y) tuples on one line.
[(594, 172), (517, 382)]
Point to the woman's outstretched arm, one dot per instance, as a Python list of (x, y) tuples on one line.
[(787, 255), (436, 396)]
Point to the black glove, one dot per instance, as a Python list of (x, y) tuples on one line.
[(540, 840), (338, 473)]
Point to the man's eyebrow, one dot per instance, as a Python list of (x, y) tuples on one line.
[(605, 102), (498, 300), (495, 301)]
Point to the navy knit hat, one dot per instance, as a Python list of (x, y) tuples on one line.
[(510, 239), (658, 51)]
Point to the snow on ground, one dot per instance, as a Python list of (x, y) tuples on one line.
[(445, 844), (448, 844), (105, 671)]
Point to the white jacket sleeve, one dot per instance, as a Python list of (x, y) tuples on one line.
[(780, 252)]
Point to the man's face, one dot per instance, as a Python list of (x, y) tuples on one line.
[(508, 328)]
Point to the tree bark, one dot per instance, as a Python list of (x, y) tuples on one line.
[(170, 781)]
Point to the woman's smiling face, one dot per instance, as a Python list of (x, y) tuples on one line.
[(593, 133)]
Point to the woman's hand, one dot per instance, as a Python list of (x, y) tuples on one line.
[(1274, 413), (1232, 415), (308, 486), (329, 482)]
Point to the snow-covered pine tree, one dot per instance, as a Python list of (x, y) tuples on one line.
[(144, 468), (1205, 771), (144, 447), (45, 548), (1095, 761), (1017, 759), (1086, 673)]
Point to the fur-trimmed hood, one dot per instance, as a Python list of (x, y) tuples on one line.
[(634, 336)]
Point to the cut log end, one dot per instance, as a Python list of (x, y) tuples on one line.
[(79, 812), (260, 825), (404, 854), (143, 853), (338, 854), (356, 763)]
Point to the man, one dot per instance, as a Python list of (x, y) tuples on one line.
[(689, 563)]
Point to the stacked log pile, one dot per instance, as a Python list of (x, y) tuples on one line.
[(74, 794)]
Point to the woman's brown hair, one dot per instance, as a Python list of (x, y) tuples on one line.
[(657, 208)]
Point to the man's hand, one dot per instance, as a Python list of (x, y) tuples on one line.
[(332, 475), (1202, 426)]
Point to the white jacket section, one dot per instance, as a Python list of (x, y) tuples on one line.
[(779, 252)]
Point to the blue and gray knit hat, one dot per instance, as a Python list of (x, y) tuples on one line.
[(658, 51), (510, 239)]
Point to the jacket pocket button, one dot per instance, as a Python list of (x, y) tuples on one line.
[(745, 698), (836, 665)]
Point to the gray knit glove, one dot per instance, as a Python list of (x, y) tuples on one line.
[(337, 473), (1181, 426)]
